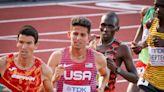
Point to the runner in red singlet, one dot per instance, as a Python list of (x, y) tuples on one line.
[(75, 67), (23, 72)]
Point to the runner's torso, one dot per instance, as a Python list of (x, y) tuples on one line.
[(78, 77), (155, 66), (111, 51), (22, 80)]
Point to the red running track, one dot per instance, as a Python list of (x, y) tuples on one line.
[(52, 22)]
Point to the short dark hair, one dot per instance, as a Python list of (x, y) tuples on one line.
[(113, 15), (29, 30), (81, 21)]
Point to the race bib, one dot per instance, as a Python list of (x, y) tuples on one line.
[(75, 88), (156, 56)]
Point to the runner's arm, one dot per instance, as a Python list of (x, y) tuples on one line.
[(139, 33), (53, 63), (104, 72), (131, 73), (47, 76), (2, 64)]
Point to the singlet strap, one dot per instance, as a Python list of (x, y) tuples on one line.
[(65, 55)]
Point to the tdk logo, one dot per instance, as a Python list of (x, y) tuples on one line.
[(77, 89)]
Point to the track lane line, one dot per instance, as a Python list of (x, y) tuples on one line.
[(62, 17), (93, 7), (65, 32)]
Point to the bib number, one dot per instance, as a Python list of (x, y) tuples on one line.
[(156, 56)]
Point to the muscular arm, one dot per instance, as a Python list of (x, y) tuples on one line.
[(138, 35), (53, 63), (47, 76), (131, 73), (101, 65)]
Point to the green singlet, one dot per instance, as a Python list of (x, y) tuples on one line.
[(143, 56)]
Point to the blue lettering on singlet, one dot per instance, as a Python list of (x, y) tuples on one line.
[(157, 57), (158, 51), (77, 89)]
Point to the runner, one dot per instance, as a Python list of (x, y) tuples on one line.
[(147, 14), (23, 72), (153, 79), (113, 49), (75, 67)]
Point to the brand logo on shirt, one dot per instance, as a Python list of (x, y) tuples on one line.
[(67, 65), (12, 68), (76, 88), (77, 75), (89, 65), (30, 78)]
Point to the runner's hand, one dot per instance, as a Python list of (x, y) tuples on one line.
[(136, 48), (158, 42), (59, 71), (111, 65), (99, 90)]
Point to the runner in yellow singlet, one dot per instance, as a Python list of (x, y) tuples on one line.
[(141, 36), (153, 78)]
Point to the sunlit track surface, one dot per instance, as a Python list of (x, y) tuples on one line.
[(52, 21)]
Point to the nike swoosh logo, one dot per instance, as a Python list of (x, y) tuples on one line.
[(67, 65)]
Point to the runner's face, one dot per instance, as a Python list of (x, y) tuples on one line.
[(79, 36), (107, 27), (26, 45)]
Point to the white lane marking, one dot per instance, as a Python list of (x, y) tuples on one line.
[(94, 7), (64, 32), (122, 5), (36, 51), (40, 40), (40, 34), (61, 17), (52, 40)]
